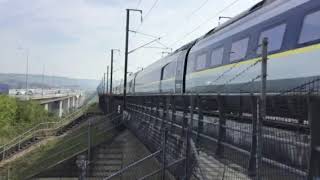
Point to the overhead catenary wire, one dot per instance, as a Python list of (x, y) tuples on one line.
[(151, 36), (138, 4), (155, 47), (204, 22), (135, 49), (148, 13), (189, 33), (152, 7), (144, 34), (159, 42), (198, 8)]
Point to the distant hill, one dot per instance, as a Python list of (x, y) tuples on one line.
[(17, 81)]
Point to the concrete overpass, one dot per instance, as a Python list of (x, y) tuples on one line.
[(57, 103)]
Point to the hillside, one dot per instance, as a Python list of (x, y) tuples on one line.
[(16, 81)]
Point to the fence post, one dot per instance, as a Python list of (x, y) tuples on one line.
[(191, 113), (110, 103), (222, 123), (313, 118), (150, 109), (4, 153), (157, 110), (188, 137), (164, 151), (173, 111), (200, 119), (184, 123), (89, 140), (262, 103), (253, 153), (153, 110), (145, 109), (184, 115), (164, 113), (187, 153), (8, 173)]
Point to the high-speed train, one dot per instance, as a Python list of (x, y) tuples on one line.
[(225, 59)]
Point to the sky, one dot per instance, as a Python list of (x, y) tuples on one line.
[(73, 38)]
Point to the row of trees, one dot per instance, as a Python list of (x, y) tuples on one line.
[(18, 116)]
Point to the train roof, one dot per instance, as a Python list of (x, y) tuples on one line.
[(245, 19), (161, 62), (257, 6), (165, 60), (254, 8)]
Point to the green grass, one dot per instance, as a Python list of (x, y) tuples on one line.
[(55, 151), (94, 108)]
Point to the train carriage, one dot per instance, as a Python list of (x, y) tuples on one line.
[(226, 60), (215, 63)]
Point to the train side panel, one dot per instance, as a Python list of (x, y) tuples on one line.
[(294, 51)]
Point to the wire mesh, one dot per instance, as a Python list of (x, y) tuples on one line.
[(224, 131), (243, 129)]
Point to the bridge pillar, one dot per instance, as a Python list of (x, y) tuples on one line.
[(73, 102), (68, 104), (76, 102), (79, 101), (46, 107), (60, 108)]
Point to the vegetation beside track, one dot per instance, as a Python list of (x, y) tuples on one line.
[(58, 149), (18, 116)]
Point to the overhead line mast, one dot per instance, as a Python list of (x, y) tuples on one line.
[(111, 69), (126, 57)]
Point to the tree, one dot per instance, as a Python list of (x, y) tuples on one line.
[(30, 112), (18, 116), (8, 109)]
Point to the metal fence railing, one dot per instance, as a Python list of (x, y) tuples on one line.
[(241, 130), (224, 137), (81, 141), (39, 130)]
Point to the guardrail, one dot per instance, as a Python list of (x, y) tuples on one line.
[(63, 154), (39, 96), (41, 127)]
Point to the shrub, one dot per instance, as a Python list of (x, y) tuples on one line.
[(18, 116)]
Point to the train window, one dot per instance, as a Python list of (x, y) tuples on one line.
[(190, 63), (149, 77), (217, 56), (275, 37), (239, 49), (201, 62), (169, 70), (153, 76), (179, 67), (311, 28)]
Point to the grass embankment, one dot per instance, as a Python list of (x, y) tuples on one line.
[(58, 149), (18, 116)]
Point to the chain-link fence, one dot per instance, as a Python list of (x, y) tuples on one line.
[(225, 140), (241, 130), (52, 152)]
